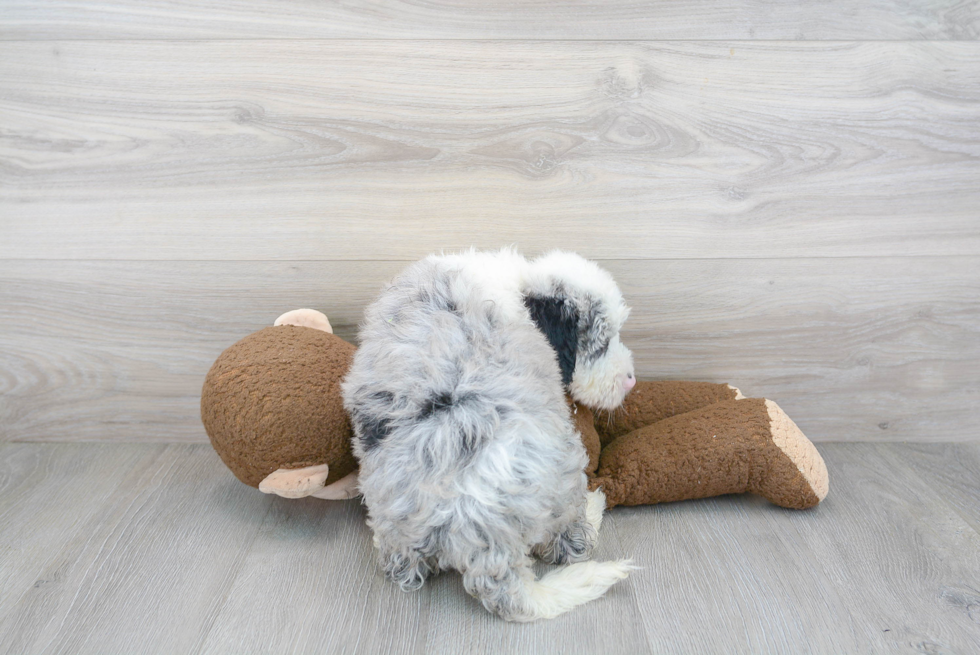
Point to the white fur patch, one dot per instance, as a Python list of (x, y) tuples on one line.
[(574, 585), (595, 506)]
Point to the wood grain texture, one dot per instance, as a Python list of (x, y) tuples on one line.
[(145, 568), (514, 19), (340, 602), (387, 150), (953, 470), (884, 564), (853, 348), (48, 500), (180, 557)]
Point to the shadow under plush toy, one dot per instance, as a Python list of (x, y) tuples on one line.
[(272, 408)]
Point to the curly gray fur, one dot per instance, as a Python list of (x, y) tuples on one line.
[(469, 459)]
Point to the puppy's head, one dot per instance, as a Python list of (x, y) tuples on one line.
[(579, 308)]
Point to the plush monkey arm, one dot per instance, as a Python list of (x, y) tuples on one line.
[(650, 402)]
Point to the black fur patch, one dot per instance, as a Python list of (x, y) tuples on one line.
[(373, 430), (443, 401), (557, 318)]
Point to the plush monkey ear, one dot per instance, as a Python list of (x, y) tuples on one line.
[(557, 318)]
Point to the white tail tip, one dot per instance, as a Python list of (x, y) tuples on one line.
[(574, 585)]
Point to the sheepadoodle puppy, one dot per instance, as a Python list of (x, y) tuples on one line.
[(469, 458)]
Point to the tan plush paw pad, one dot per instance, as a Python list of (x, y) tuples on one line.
[(809, 483)]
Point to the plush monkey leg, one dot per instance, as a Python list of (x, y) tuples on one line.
[(651, 402), (748, 445)]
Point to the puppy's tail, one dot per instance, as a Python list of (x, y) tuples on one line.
[(574, 585), (526, 599)]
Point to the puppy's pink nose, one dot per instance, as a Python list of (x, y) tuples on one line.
[(630, 381)]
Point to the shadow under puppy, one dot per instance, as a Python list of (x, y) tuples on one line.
[(469, 456)]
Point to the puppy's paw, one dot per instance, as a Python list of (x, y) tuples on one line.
[(575, 544), (408, 571)]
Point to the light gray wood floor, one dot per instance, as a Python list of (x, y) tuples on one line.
[(111, 548)]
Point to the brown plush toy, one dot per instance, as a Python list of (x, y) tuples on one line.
[(271, 406), (682, 440)]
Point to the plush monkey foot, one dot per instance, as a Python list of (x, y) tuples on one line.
[(733, 446)]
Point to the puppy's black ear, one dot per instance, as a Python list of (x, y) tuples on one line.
[(595, 330), (558, 319)]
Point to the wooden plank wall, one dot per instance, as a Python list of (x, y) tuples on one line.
[(789, 194)]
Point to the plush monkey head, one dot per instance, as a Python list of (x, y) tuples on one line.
[(271, 402)]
